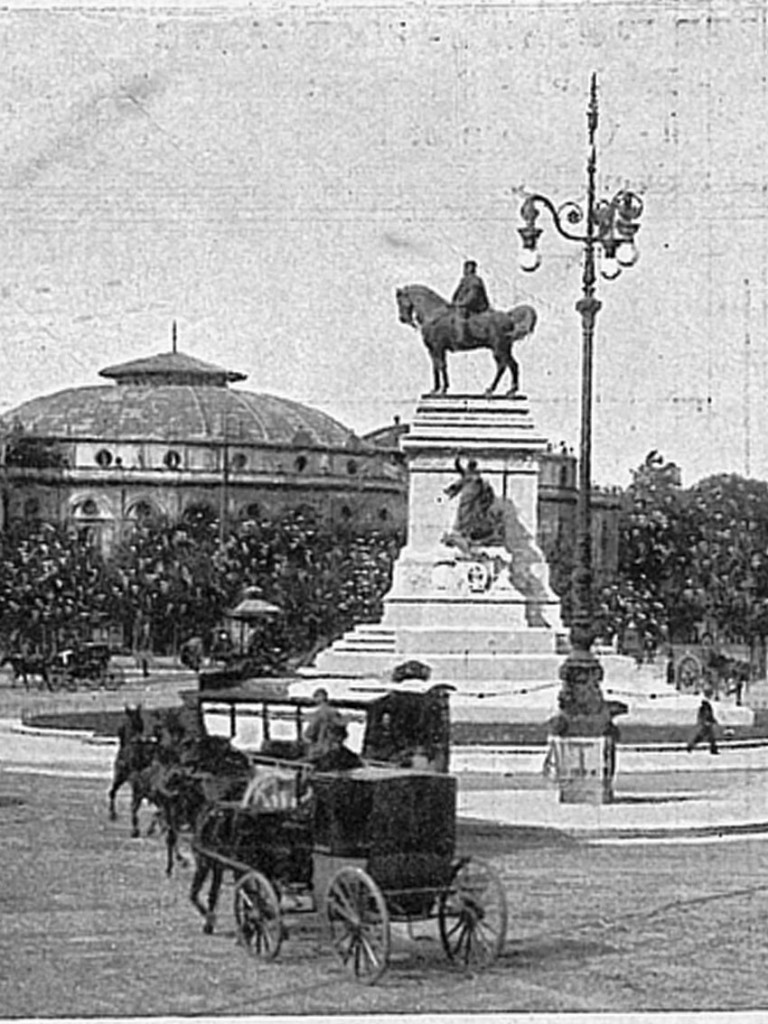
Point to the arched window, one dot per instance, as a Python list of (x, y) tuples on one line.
[(300, 463), (172, 459), (384, 514), (351, 467), (199, 514), (239, 462), (141, 511), (346, 512)]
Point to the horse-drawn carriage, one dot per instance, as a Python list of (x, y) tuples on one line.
[(724, 670), (86, 665), (363, 849)]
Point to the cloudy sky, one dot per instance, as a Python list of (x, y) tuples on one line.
[(269, 175)]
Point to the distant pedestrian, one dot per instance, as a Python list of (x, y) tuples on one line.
[(705, 725)]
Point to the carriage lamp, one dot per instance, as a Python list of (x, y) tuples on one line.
[(606, 229)]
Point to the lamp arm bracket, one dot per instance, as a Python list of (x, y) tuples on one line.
[(570, 211)]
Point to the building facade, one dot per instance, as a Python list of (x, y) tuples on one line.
[(170, 438)]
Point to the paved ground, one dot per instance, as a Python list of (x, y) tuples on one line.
[(658, 917), (90, 927)]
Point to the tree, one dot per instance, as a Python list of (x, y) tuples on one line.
[(648, 596), (729, 563)]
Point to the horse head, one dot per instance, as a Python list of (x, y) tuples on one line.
[(405, 309), (522, 322), (418, 304), (134, 721)]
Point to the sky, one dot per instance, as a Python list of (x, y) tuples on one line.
[(268, 175)]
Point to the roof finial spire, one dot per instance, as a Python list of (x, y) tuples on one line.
[(173, 338)]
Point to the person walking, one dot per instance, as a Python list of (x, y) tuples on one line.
[(705, 725)]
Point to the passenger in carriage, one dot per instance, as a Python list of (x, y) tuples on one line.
[(316, 735), (337, 757)]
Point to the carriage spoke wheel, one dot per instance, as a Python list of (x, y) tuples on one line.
[(689, 674), (358, 921), (472, 915), (257, 916)]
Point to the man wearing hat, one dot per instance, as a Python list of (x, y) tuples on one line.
[(470, 297)]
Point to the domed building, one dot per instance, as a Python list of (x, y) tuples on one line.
[(169, 438)]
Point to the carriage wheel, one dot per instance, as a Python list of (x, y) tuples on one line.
[(58, 679), (114, 677), (257, 916), (472, 914), (689, 674), (358, 921)]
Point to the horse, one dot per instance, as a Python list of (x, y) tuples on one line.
[(134, 763), (25, 666), (240, 820), (419, 306)]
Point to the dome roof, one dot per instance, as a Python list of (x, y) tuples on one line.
[(171, 368), (174, 397)]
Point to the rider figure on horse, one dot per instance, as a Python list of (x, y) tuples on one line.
[(470, 297)]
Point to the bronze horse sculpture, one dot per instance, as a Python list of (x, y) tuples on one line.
[(418, 306)]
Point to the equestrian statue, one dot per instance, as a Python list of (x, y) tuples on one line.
[(466, 322)]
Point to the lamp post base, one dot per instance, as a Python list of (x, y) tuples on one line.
[(584, 737)]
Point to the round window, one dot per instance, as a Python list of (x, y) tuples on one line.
[(104, 458), (172, 459)]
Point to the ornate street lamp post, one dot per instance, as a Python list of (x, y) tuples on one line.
[(608, 229)]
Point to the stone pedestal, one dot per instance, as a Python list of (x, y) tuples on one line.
[(582, 774), (471, 612)]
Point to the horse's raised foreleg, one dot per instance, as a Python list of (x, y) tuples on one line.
[(120, 776), (112, 796)]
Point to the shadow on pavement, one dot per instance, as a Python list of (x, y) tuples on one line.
[(484, 838)]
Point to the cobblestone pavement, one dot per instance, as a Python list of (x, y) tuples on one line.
[(90, 926)]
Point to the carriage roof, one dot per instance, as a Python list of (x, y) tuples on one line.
[(262, 694)]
